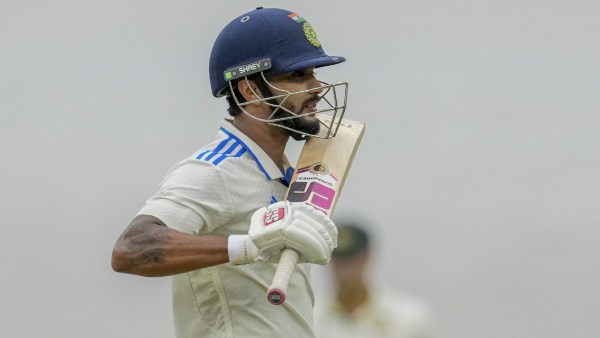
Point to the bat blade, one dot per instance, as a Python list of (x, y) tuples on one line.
[(318, 180)]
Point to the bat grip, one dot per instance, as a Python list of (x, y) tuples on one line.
[(283, 275)]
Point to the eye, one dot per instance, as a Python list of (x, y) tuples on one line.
[(299, 73), (303, 74)]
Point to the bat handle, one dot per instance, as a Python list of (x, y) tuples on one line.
[(283, 275)]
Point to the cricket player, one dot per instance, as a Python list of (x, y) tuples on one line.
[(219, 221), (358, 307)]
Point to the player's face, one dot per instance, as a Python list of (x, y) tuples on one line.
[(299, 81), (348, 271), (302, 103)]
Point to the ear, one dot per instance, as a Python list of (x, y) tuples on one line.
[(249, 90)]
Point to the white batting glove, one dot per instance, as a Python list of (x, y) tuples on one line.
[(283, 225)]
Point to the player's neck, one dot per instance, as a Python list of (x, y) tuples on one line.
[(270, 139), (353, 298)]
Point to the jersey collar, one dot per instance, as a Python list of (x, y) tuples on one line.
[(263, 161)]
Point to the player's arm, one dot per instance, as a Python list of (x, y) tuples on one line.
[(148, 247)]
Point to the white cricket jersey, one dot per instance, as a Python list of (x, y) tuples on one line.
[(216, 191), (387, 314)]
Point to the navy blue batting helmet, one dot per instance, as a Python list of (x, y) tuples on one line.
[(265, 39)]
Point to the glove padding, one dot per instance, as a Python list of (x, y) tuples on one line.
[(283, 225)]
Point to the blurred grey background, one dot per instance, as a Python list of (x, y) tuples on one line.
[(479, 170)]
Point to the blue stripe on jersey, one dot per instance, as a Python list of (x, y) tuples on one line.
[(219, 148), (209, 152), (249, 152), (224, 153), (288, 176), (273, 199), (217, 155), (202, 154), (224, 156)]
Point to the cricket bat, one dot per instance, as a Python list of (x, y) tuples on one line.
[(320, 173)]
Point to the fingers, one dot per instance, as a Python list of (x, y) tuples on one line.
[(312, 233), (308, 242), (304, 220), (306, 211), (298, 226)]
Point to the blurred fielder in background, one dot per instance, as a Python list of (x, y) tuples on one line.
[(359, 308), (219, 221)]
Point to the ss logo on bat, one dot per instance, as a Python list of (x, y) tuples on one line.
[(313, 193)]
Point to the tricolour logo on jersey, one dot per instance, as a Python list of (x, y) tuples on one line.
[(273, 216)]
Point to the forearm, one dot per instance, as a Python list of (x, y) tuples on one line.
[(149, 248)]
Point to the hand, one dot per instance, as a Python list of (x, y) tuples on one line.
[(283, 225)]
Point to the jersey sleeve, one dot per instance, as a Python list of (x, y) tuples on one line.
[(193, 198)]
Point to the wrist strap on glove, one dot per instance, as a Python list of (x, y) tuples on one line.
[(241, 250)]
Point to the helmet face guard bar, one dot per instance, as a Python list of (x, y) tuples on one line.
[(332, 103)]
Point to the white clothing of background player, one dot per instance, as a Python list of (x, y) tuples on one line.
[(218, 222)]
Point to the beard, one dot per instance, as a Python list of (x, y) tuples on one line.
[(303, 124)]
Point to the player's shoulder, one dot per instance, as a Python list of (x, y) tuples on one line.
[(227, 156), (204, 161), (224, 147)]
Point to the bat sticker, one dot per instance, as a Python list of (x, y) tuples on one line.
[(314, 185)]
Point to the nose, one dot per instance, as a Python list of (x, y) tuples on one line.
[(315, 85)]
